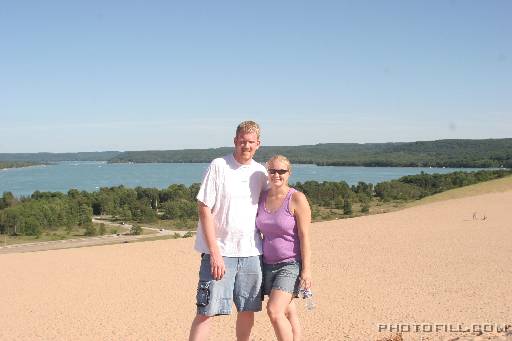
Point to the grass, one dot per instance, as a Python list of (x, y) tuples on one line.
[(177, 225), (166, 237), (45, 237), (491, 186), (52, 235), (376, 207)]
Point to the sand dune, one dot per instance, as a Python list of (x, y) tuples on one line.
[(425, 265)]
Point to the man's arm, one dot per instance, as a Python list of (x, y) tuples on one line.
[(216, 261)]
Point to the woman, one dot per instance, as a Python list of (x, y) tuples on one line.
[(283, 219)]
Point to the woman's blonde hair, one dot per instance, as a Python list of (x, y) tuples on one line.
[(282, 159)]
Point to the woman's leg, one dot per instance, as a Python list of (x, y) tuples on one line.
[(293, 317), (276, 309)]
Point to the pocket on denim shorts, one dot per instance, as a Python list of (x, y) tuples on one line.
[(203, 293)]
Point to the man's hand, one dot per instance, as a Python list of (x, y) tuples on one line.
[(218, 269)]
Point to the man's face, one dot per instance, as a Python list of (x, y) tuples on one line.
[(246, 145)]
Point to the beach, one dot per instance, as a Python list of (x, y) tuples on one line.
[(436, 271)]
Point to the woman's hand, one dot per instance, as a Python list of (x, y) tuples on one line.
[(305, 280)]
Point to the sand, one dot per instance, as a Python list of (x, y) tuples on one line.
[(414, 268)]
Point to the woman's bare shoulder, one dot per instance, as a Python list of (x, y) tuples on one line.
[(299, 198)]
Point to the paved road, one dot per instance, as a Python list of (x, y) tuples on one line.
[(87, 241)]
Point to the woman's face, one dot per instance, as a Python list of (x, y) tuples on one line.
[(276, 179)]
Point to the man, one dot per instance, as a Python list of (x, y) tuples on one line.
[(227, 238)]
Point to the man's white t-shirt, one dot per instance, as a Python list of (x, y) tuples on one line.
[(232, 191)]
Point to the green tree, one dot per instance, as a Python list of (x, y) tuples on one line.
[(90, 230), (125, 213), (144, 214), (339, 202), (101, 229), (149, 196), (193, 190), (32, 227), (365, 207), (7, 200), (179, 209), (135, 230), (396, 190), (178, 192), (363, 188), (69, 229), (85, 215), (347, 206)]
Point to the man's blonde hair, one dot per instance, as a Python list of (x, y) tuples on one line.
[(248, 127), (282, 159)]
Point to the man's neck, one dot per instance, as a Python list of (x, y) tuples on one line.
[(242, 162)]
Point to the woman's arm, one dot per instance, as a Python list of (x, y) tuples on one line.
[(302, 212)]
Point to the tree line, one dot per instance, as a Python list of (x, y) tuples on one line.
[(46, 211), (458, 153), (57, 157), (489, 153), (17, 164), (43, 211)]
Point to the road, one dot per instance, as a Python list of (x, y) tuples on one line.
[(89, 241)]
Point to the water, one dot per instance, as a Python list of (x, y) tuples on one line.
[(90, 176)]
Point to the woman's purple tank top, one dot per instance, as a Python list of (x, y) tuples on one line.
[(280, 234)]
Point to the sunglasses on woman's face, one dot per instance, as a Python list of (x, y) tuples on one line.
[(278, 171)]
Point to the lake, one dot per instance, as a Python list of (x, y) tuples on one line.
[(90, 176)]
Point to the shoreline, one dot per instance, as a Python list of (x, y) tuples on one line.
[(91, 186)]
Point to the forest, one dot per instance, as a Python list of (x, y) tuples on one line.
[(57, 157), (44, 212), (17, 164), (456, 153), (490, 153)]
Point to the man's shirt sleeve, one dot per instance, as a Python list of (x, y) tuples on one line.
[(208, 191)]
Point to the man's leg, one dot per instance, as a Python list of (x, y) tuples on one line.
[(247, 295), (213, 297), (244, 323), (200, 328)]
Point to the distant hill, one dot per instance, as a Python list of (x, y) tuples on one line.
[(17, 164), (442, 153), (56, 157)]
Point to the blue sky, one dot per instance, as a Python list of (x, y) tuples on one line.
[(137, 75)]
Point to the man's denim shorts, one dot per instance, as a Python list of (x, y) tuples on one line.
[(282, 276), (241, 284)]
